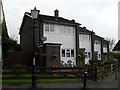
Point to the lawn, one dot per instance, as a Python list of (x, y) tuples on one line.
[(40, 80), (29, 80), (13, 75)]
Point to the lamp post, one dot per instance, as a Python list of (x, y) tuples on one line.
[(34, 14)]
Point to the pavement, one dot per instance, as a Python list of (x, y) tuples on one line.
[(109, 83)]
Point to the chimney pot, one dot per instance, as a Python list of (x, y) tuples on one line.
[(72, 20), (84, 27), (56, 12)]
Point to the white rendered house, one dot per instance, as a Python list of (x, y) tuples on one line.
[(64, 40)]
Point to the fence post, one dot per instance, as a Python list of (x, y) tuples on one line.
[(116, 73), (85, 78), (95, 73), (111, 67)]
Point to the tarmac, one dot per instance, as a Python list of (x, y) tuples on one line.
[(110, 83)]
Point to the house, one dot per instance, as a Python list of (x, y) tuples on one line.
[(96, 47), (86, 43), (65, 40)]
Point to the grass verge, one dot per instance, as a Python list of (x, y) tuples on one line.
[(40, 80)]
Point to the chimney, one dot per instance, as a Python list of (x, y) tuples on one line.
[(84, 27), (56, 13), (72, 20)]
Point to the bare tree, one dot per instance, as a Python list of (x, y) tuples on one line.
[(111, 43)]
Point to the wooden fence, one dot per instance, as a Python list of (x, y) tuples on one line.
[(23, 58), (94, 73)]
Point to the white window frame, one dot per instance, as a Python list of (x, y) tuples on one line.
[(68, 53), (47, 27), (50, 27)]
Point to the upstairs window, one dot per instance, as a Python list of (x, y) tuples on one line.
[(105, 45), (49, 27), (84, 37), (89, 37), (46, 27), (97, 42), (62, 29), (67, 30), (72, 30)]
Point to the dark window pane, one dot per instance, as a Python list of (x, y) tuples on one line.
[(63, 53), (72, 53)]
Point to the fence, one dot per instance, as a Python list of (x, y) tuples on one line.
[(94, 73), (23, 58), (104, 71)]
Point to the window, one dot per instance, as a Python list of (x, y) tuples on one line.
[(71, 30), (85, 54), (99, 56), (63, 52), (46, 27), (51, 27), (97, 41), (67, 29), (82, 37), (61, 29), (89, 37), (105, 45), (85, 37), (72, 53), (68, 53), (88, 54)]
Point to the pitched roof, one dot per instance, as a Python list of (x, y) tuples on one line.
[(42, 17), (117, 47), (47, 18), (84, 30)]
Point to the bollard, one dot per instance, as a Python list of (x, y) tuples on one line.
[(116, 74), (34, 82), (95, 79), (85, 78)]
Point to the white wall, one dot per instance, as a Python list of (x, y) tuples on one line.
[(66, 39), (85, 43), (105, 49), (97, 47)]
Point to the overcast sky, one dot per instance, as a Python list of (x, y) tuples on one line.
[(101, 16)]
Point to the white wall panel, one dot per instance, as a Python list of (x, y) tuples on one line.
[(67, 41)]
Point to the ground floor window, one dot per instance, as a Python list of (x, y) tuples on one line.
[(87, 55), (68, 53), (63, 52)]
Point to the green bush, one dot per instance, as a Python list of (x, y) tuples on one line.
[(18, 69), (112, 60), (82, 59)]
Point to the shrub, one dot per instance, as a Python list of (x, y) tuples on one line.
[(18, 69)]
